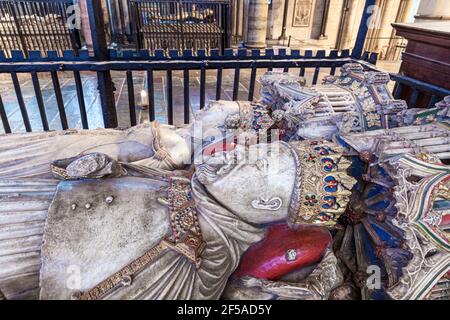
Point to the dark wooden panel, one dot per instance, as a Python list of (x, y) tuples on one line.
[(427, 57)]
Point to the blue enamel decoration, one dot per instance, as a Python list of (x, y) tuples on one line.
[(331, 184)]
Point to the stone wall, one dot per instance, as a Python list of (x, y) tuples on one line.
[(433, 10), (310, 32), (382, 38), (309, 25)]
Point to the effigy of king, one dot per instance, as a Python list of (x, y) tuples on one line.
[(107, 230)]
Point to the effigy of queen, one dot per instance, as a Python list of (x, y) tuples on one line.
[(335, 191)]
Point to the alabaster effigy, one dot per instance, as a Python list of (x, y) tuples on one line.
[(334, 191), (98, 218), (153, 145)]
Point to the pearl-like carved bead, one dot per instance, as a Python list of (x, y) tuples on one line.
[(109, 199)]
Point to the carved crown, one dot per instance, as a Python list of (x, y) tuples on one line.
[(322, 189)]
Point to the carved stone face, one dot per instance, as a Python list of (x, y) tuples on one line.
[(209, 122), (255, 184)]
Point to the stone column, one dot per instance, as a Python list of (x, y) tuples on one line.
[(404, 13), (352, 17), (234, 22), (275, 21), (281, 11), (85, 27), (257, 23), (237, 22), (114, 25), (324, 20), (433, 10), (240, 26)]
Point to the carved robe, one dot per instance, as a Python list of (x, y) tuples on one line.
[(97, 241), (29, 155)]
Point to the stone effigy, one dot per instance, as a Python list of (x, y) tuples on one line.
[(124, 250), (396, 223), (135, 145), (151, 145), (74, 239), (124, 214)]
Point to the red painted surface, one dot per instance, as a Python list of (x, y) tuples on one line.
[(267, 258), (218, 147), (445, 220)]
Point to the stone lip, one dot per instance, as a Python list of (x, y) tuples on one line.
[(440, 27)]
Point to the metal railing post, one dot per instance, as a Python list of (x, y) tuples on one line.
[(100, 47), (19, 29)]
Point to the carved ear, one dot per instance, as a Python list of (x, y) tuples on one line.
[(267, 204)]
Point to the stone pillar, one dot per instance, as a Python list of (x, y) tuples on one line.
[(241, 21), (403, 15), (257, 23), (372, 34), (433, 10), (85, 27), (114, 25), (324, 20), (237, 22), (390, 14), (352, 17), (275, 21), (281, 11)]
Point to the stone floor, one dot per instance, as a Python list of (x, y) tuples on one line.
[(92, 100)]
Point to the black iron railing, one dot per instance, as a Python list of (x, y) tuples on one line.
[(37, 25), (72, 64)]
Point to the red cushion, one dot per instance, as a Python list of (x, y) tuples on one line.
[(268, 259)]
